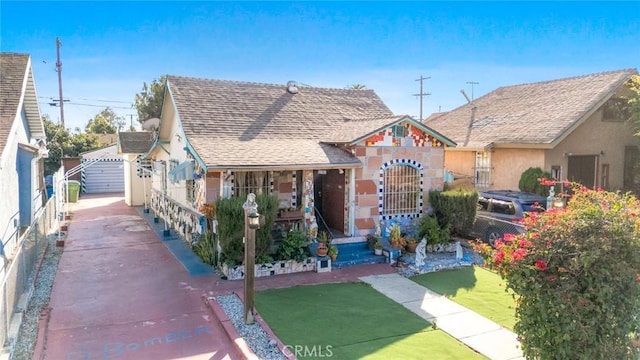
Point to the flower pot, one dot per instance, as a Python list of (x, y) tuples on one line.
[(60, 243), (322, 251), (377, 252), (411, 247), (333, 258)]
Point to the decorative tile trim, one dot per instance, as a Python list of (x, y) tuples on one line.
[(405, 162)]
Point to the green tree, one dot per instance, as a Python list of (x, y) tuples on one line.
[(63, 144), (106, 122), (357, 87), (577, 273), (149, 101), (634, 101)]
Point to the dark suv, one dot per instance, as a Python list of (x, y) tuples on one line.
[(499, 212)]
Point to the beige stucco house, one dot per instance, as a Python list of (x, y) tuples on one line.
[(22, 148), (574, 128), (338, 156), (132, 145)]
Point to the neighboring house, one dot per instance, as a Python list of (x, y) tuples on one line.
[(137, 171), (574, 128), (338, 155), (22, 140)]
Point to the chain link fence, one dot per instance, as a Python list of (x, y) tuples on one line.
[(20, 268), (489, 229)]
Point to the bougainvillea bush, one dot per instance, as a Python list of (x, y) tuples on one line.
[(576, 272)]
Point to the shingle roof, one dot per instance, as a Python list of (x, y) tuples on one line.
[(351, 129), (536, 113), (243, 123), (135, 142), (13, 68)]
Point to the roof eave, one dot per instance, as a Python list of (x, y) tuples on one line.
[(283, 167)]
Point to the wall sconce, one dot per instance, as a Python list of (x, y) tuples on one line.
[(567, 154), (179, 137), (601, 152)]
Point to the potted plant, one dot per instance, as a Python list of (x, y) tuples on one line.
[(333, 252), (412, 243), (395, 237), (322, 249), (377, 248), (324, 242)]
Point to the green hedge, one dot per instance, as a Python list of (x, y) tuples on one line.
[(230, 216), (455, 209), (529, 181)]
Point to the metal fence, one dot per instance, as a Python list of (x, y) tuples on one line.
[(19, 269)]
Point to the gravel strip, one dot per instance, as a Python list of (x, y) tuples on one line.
[(255, 336), (25, 344)]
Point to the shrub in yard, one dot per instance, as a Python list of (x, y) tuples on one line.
[(429, 228), (230, 215), (455, 209), (577, 272), (205, 248), (530, 181)]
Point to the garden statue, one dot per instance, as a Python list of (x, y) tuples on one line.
[(421, 252), (458, 251)]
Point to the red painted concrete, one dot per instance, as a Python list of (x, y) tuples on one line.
[(120, 294)]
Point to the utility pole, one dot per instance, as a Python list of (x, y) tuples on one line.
[(422, 94), (59, 70), (472, 83)]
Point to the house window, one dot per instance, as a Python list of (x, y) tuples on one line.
[(401, 190), (256, 182), (556, 172), (604, 177), (483, 169), (399, 132), (189, 188), (616, 109)]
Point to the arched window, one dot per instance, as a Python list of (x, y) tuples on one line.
[(401, 190)]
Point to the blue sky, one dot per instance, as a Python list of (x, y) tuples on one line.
[(111, 48)]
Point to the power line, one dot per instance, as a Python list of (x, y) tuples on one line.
[(55, 104), (86, 99)]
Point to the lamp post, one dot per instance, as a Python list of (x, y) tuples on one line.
[(251, 223)]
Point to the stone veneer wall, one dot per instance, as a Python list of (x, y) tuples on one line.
[(374, 158)]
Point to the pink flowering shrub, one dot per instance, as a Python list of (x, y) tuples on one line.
[(576, 272)]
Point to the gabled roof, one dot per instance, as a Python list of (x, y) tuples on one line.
[(17, 89), (537, 114), (135, 142), (352, 131), (229, 123)]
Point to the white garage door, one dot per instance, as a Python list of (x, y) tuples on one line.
[(104, 176)]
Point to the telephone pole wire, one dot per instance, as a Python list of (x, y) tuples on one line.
[(422, 94), (59, 70)]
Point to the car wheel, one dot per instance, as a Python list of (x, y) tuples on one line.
[(492, 235)]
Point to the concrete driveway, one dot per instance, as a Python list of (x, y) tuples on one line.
[(120, 294)]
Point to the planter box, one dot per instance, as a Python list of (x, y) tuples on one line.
[(271, 269)]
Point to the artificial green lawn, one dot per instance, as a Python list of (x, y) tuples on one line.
[(355, 322), (476, 289)]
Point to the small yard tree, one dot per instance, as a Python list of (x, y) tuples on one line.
[(577, 274), (530, 181)]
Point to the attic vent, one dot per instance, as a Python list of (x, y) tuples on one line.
[(292, 87)]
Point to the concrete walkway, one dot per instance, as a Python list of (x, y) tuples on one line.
[(477, 332)]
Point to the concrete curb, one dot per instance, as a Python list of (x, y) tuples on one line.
[(241, 345), (257, 317)]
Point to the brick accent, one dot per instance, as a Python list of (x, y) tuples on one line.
[(366, 187)]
